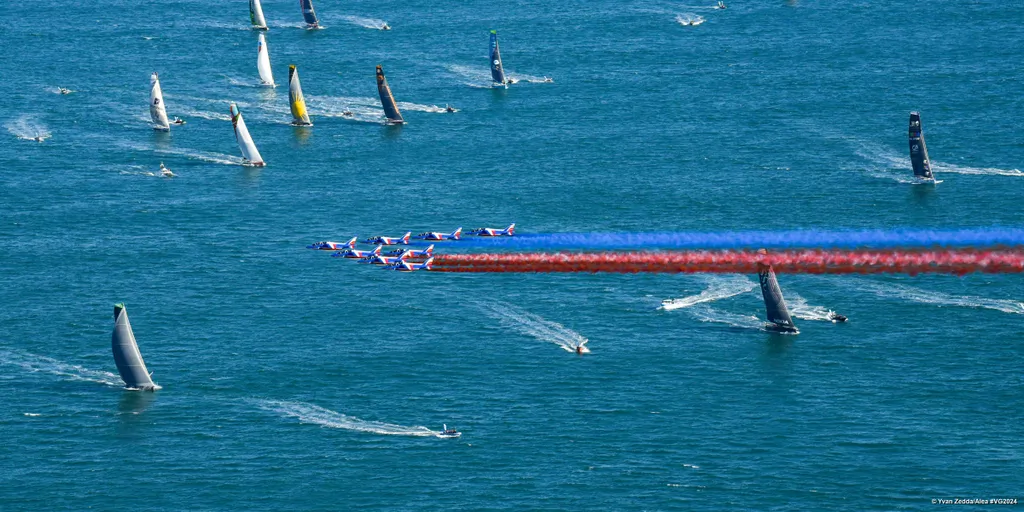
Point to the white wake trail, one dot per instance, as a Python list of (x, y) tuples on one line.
[(373, 23), (689, 19), (719, 287), (893, 161), (799, 308), (28, 127), (706, 313), (309, 413), (38, 363), (901, 291), (535, 326)]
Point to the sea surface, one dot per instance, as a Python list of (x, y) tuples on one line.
[(296, 381)]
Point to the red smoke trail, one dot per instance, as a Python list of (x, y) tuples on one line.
[(958, 262)]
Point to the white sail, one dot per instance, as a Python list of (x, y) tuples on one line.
[(263, 62), (245, 142), (156, 105), (256, 15)]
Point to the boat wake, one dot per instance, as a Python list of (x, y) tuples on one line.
[(799, 308), (37, 363), (477, 77), (893, 161), (248, 82), (366, 110), (204, 156), (689, 19), (708, 314), (434, 109), (373, 23), (27, 127), (535, 326), (901, 291), (213, 116), (719, 287), (309, 413)]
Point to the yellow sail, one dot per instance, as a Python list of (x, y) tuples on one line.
[(299, 115)]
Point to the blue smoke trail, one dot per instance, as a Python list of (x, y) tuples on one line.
[(792, 239)]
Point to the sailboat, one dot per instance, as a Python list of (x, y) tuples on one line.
[(256, 15), (299, 115), (918, 150), (245, 142), (263, 62), (387, 100), (309, 14), (774, 305), (126, 354), (156, 105), (497, 71)]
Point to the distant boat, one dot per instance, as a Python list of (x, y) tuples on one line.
[(774, 305), (497, 70), (299, 115), (449, 433), (387, 100), (918, 150), (263, 62), (156, 105), (309, 14), (256, 15), (126, 354), (245, 142)]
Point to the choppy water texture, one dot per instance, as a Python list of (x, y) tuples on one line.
[(296, 381)]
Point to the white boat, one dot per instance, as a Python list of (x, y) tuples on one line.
[(156, 105), (245, 143), (449, 433), (263, 62)]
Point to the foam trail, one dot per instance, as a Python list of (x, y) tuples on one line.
[(689, 19), (363, 109), (522, 77), (708, 314), (891, 160), (309, 413), (718, 288), (214, 116), (37, 363), (871, 238), (27, 127), (901, 291), (373, 23), (799, 308), (421, 108), (478, 77), (534, 326), (204, 156)]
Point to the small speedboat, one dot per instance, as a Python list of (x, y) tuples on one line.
[(165, 172), (449, 433), (178, 120)]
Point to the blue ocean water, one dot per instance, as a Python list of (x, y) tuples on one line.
[(296, 381)]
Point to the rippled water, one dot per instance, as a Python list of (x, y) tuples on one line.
[(297, 381)]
